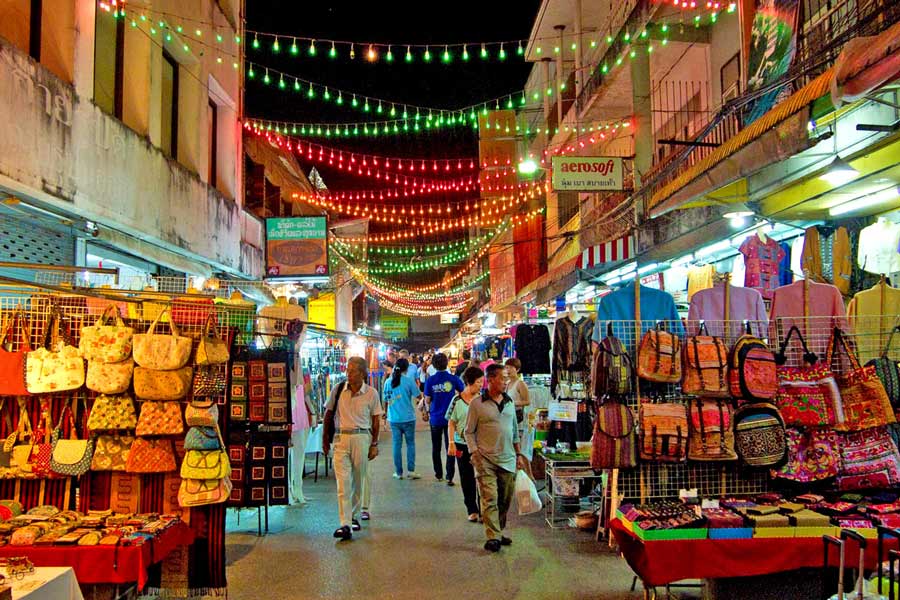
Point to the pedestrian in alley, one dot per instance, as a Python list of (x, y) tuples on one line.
[(517, 390), (439, 391), (457, 415), (494, 449), (413, 371), (352, 416), (399, 394), (464, 363)]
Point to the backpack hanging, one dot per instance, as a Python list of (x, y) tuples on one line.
[(752, 375), (659, 356), (705, 362), (614, 444), (760, 438), (712, 436), (664, 432), (612, 369)]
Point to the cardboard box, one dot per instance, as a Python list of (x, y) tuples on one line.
[(731, 533), (670, 534)]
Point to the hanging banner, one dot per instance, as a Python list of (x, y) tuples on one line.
[(297, 247), (449, 318), (321, 311), (587, 173), (395, 327), (773, 43)]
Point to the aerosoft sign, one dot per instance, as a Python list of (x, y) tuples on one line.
[(587, 173)]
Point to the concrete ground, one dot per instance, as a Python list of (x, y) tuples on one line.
[(418, 545)]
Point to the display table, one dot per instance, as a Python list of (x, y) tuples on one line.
[(107, 564), (658, 563), (58, 583)]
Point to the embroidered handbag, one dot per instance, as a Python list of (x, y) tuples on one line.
[(150, 384), (659, 356), (752, 374), (664, 432), (212, 350), (57, 370), (614, 444), (712, 430), (109, 378), (705, 364), (106, 343), (202, 414), (12, 363), (759, 435), (885, 367), (202, 438), (812, 456), (612, 369), (42, 450), (198, 492), (71, 457), (205, 464), (807, 396), (210, 380), (864, 400), (111, 452), (869, 460), (111, 413), (159, 351), (151, 456), (160, 418)]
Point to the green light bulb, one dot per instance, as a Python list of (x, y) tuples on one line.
[(409, 56), (294, 130), (379, 110), (255, 43), (281, 84), (627, 36), (332, 53), (465, 53), (276, 47), (294, 49), (664, 28), (665, 41), (484, 52), (340, 99), (445, 57), (266, 79), (296, 86), (405, 114), (509, 103), (522, 100), (354, 102), (393, 111), (502, 53), (312, 48), (520, 50), (427, 55), (237, 39), (389, 56), (366, 106), (327, 94), (311, 93)]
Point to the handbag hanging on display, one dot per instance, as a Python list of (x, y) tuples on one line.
[(109, 378), (659, 356), (112, 413), (150, 384), (212, 350), (71, 457), (12, 362), (209, 380), (705, 364), (864, 400), (869, 460), (205, 464), (201, 413), (106, 343), (760, 438), (752, 374), (160, 351), (151, 456), (111, 452), (199, 492), (807, 396), (202, 438), (160, 418), (614, 444), (712, 430), (813, 455), (22, 443), (57, 366), (664, 431), (42, 450), (885, 367)]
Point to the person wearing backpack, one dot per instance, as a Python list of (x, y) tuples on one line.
[(351, 426)]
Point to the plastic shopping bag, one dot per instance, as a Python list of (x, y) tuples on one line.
[(527, 497)]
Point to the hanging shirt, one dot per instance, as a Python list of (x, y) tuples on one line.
[(743, 304), (797, 256), (618, 306), (872, 314), (878, 248), (700, 278), (824, 306), (440, 389), (761, 260), (571, 347), (826, 256), (785, 275), (533, 348)]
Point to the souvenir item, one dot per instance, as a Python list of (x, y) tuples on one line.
[(885, 367), (111, 452), (812, 456), (201, 414), (202, 438), (612, 367), (57, 366), (664, 432), (150, 384), (160, 351), (752, 375), (659, 356), (212, 350), (112, 413), (151, 456), (869, 460), (864, 401), (12, 362), (205, 464), (108, 340), (160, 418), (197, 492), (807, 396), (209, 380), (759, 435), (712, 434), (71, 457), (110, 378), (193, 311), (614, 444), (705, 365)]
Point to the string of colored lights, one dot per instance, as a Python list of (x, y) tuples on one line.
[(466, 285), (375, 200)]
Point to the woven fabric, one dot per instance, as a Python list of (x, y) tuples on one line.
[(812, 456), (752, 373), (864, 400), (664, 432), (712, 434), (160, 418), (109, 377), (112, 413), (869, 460), (159, 351), (151, 456), (49, 372), (808, 396), (889, 374), (612, 370), (759, 436), (205, 464), (614, 444), (209, 380), (194, 492), (202, 438), (111, 452), (659, 357), (151, 384), (705, 365), (106, 343)]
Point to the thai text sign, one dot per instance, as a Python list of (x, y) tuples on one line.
[(587, 173), (297, 247)]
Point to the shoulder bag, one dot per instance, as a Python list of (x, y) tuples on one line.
[(329, 425), (712, 430), (12, 362), (151, 456), (869, 460), (885, 367), (212, 350), (110, 378), (659, 356), (58, 369), (150, 384), (807, 396), (106, 343), (159, 351), (199, 492), (111, 452), (612, 367), (205, 464), (812, 455), (209, 380), (71, 457), (20, 459), (705, 364), (664, 431), (752, 375), (614, 444), (201, 413), (160, 418), (112, 413), (42, 448), (864, 400), (202, 438), (760, 436)]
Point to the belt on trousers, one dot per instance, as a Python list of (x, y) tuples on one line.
[(353, 431)]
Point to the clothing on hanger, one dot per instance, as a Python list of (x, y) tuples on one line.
[(761, 260), (822, 302), (785, 275), (700, 278), (743, 304), (571, 347), (618, 307), (826, 256), (878, 248), (274, 317), (797, 256), (533, 348), (872, 313)]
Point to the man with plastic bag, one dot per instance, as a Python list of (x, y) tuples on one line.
[(492, 437)]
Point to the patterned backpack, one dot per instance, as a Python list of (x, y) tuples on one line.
[(614, 444), (760, 437), (705, 365), (712, 435), (664, 432), (659, 356), (752, 375), (612, 369)]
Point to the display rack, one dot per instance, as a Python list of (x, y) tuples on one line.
[(572, 486)]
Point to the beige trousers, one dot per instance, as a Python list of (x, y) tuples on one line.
[(351, 465)]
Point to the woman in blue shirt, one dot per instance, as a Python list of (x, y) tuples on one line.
[(399, 394)]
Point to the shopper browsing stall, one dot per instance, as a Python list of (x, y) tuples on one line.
[(400, 393), (457, 415), (494, 447), (439, 391)]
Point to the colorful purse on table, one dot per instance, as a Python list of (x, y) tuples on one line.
[(202, 438), (198, 492), (664, 432), (212, 350), (752, 374), (614, 444), (111, 452), (112, 413), (58, 370), (659, 356), (705, 364), (205, 464), (151, 456), (869, 460), (160, 418), (159, 351), (812, 456), (150, 384), (71, 457), (885, 367), (12, 363), (110, 378), (864, 400), (200, 413), (106, 343), (807, 396)]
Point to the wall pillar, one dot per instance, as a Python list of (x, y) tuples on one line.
[(643, 115)]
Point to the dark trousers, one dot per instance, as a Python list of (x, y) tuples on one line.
[(467, 479), (438, 432)]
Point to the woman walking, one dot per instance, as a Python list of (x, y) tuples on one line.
[(517, 390), (400, 393), (457, 414)]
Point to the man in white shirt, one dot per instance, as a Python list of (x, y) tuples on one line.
[(356, 427)]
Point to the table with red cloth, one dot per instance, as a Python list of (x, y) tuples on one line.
[(661, 562), (107, 564)]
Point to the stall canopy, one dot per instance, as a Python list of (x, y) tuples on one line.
[(612, 251)]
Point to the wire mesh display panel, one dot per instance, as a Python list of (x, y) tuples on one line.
[(868, 337)]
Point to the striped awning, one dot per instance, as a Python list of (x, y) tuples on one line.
[(616, 250)]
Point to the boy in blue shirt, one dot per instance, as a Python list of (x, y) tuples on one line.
[(440, 389)]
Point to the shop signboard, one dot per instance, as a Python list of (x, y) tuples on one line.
[(449, 318), (321, 311), (587, 173), (297, 247), (395, 327), (565, 410)]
